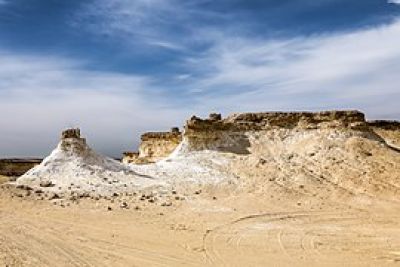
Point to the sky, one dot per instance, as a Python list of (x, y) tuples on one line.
[(118, 68)]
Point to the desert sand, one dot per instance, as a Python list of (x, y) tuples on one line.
[(322, 192), (3, 179)]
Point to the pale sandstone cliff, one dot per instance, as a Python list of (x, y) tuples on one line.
[(335, 152), (229, 134), (155, 146)]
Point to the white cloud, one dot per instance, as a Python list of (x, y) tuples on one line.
[(39, 96), (394, 2)]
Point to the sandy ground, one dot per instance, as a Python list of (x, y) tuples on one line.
[(207, 228), (3, 179)]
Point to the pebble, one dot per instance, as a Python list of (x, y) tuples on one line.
[(46, 184)]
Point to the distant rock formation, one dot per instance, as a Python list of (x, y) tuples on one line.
[(268, 120), (17, 167), (158, 145), (154, 146), (73, 162), (130, 157), (228, 134)]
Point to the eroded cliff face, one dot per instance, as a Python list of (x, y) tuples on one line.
[(334, 152), (229, 134), (155, 146)]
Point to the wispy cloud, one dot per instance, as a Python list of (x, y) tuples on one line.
[(357, 69), (168, 24), (394, 2)]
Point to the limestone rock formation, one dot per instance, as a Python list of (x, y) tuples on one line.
[(155, 146), (74, 163), (228, 134), (331, 151), (335, 152), (129, 157)]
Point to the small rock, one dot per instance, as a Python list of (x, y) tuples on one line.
[(46, 184), (19, 194), (109, 208), (52, 196), (24, 187), (84, 195), (124, 205), (262, 161)]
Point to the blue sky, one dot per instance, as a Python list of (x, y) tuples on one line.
[(117, 68)]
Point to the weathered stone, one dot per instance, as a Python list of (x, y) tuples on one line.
[(215, 117), (71, 133), (52, 196), (166, 204), (124, 205), (154, 146), (46, 184)]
